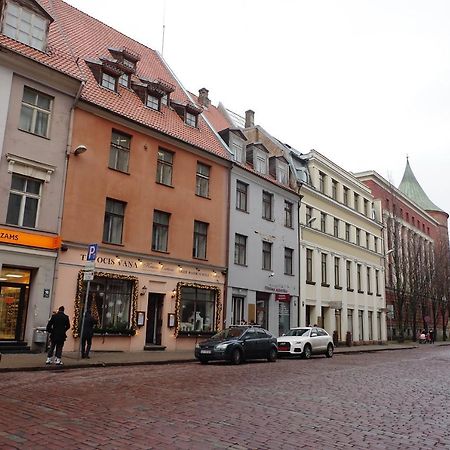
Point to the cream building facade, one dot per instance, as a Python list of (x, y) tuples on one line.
[(341, 252)]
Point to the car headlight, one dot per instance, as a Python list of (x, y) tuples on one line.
[(222, 346)]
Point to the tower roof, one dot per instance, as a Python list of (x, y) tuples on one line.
[(412, 189)]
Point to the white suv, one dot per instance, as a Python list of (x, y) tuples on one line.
[(305, 341)]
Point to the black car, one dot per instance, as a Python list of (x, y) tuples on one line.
[(237, 344)]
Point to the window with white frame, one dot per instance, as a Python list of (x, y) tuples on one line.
[(358, 236), (202, 180), (348, 270), (283, 174), (124, 80), (261, 163), (197, 309), (369, 286), (323, 222), (108, 81), (237, 310), (240, 249), (322, 182), (347, 232), (358, 277), (267, 255), (114, 221), (361, 324), (336, 227), (35, 112), (241, 196), (377, 281), (334, 189), (153, 102), (238, 151), (23, 25), (160, 235), (345, 192), (288, 207), (200, 239), (119, 154), (24, 200), (288, 260), (350, 321), (267, 205), (370, 323), (190, 119), (164, 167), (309, 212)]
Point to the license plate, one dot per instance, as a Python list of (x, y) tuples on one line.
[(205, 352)]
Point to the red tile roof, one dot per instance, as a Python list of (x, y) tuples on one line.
[(75, 36)]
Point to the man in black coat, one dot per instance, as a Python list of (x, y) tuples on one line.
[(88, 332), (57, 326)]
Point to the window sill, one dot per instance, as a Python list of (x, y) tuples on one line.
[(34, 134), (166, 252), (164, 184), (312, 283), (241, 265), (325, 285), (378, 295), (118, 170), (269, 219), (339, 288), (360, 292), (370, 293), (289, 274), (113, 243), (203, 196), (350, 290), (199, 259), (242, 210)]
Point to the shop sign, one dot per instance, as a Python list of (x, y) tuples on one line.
[(282, 297), (29, 239)]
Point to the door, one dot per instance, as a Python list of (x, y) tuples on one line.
[(154, 319), (250, 344), (284, 317), (12, 311), (237, 310)]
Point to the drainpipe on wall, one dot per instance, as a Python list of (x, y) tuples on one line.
[(299, 241)]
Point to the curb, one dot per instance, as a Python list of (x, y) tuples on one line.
[(349, 352)]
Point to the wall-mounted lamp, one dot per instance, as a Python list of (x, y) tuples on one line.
[(310, 221), (214, 273), (180, 268), (389, 252), (271, 274), (117, 258), (144, 290), (174, 293), (79, 150), (161, 265), (140, 261)]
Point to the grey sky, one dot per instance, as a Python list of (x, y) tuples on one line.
[(365, 82)]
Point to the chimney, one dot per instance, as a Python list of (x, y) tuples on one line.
[(203, 97), (249, 118)]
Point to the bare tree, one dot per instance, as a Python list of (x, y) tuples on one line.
[(441, 286)]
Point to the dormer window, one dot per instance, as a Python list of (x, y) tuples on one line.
[(108, 81), (153, 102), (165, 99), (124, 80), (190, 119), (130, 64), (261, 163), (282, 174), (25, 25)]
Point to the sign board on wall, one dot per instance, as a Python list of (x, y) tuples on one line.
[(282, 297)]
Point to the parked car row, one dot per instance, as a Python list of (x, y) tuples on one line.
[(243, 342)]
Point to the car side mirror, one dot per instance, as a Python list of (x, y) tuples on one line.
[(284, 334)]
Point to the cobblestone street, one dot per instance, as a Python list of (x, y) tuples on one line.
[(394, 400)]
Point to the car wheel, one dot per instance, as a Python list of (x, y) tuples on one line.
[(236, 357), (307, 351), (329, 352), (272, 356), (203, 361)]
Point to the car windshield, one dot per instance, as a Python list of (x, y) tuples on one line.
[(229, 333), (298, 332)]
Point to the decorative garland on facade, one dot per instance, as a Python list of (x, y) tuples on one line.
[(79, 301), (218, 303)]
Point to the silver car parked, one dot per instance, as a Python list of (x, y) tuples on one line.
[(305, 341)]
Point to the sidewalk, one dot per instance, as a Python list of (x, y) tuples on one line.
[(33, 361)]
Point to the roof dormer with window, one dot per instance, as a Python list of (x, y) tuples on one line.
[(279, 169), (26, 22), (257, 156), (153, 93), (188, 112), (235, 139), (106, 72)]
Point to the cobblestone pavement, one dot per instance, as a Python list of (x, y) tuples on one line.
[(385, 400)]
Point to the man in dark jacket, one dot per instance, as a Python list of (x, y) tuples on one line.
[(57, 326), (88, 332)]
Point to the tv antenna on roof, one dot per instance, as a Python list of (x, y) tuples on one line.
[(163, 28)]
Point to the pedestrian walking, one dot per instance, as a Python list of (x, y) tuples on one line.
[(88, 333), (431, 336), (57, 326)]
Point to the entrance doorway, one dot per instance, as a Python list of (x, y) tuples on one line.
[(154, 319), (14, 289)]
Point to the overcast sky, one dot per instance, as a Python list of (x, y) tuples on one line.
[(364, 82)]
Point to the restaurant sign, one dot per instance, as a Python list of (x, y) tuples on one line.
[(29, 239)]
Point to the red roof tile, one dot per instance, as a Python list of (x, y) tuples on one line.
[(75, 36)]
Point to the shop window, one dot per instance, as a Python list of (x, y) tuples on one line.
[(200, 240), (164, 167), (24, 25), (237, 310), (114, 220), (160, 235), (197, 308), (119, 154), (24, 201), (35, 112), (112, 301), (202, 180)]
